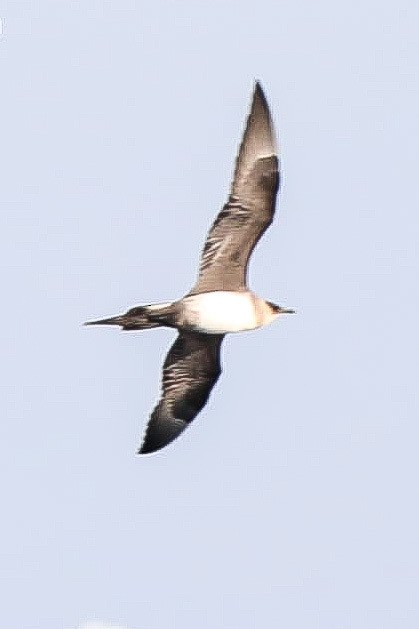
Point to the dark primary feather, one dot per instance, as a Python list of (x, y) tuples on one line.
[(250, 207), (191, 369)]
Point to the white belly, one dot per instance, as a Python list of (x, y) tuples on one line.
[(221, 312)]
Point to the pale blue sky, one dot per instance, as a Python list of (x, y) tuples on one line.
[(292, 501)]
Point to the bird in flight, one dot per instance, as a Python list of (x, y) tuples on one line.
[(220, 302)]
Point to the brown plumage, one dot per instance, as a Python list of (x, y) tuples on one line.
[(191, 369), (220, 301), (250, 208)]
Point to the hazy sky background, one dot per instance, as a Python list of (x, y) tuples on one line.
[(292, 501)]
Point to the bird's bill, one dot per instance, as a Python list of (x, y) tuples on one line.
[(286, 310)]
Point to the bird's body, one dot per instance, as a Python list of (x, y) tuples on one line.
[(215, 312), (221, 312), (220, 302)]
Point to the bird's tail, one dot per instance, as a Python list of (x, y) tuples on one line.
[(138, 318)]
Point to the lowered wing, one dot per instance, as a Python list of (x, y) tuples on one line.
[(191, 369)]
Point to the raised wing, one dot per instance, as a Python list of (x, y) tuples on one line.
[(191, 369), (250, 208)]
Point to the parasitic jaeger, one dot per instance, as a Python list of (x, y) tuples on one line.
[(220, 302)]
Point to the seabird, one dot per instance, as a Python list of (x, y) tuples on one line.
[(220, 302)]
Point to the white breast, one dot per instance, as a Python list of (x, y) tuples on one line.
[(221, 312)]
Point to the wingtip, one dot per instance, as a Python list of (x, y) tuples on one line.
[(259, 138), (259, 95), (148, 448), (142, 452), (154, 443), (258, 88), (161, 430)]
